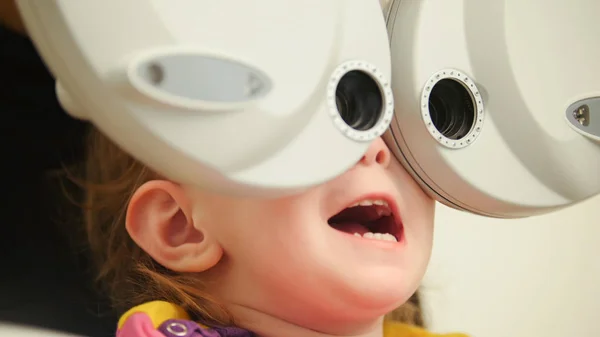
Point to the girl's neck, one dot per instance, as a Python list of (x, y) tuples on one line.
[(265, 325)]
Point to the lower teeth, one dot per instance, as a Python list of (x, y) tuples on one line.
[(377, 236)]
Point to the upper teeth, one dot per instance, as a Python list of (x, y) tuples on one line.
[(369, 202)]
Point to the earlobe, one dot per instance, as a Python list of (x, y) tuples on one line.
[(159, 220)]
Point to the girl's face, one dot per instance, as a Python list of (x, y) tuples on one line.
[(314, 260), (301, 260)]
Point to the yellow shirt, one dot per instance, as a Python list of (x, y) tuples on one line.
[(395, 329), (148, 320)]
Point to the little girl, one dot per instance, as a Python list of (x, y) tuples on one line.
[(331, 261)]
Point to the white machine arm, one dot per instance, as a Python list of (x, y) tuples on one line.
[(497, 102), (262, 97)]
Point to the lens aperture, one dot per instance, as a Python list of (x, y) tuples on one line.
[(452, 109), (359, 100)]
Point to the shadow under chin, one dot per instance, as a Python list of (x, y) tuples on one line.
[(410, 312)]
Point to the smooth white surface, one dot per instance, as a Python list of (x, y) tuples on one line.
[(12, 330), (527, 68), (530, 60), (280, 142), (537, 277)]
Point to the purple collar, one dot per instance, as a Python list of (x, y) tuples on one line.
[(184, 328)]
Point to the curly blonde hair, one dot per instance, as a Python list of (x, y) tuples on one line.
[(128, 274)]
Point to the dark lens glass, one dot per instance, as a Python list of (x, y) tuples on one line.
[(451, 108), (359, 100)]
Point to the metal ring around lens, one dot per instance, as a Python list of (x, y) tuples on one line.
[(386, 94), (478, 105), (173, 328)]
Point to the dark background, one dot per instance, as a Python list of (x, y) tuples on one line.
[(42, 281)]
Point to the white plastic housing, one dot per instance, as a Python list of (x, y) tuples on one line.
[(257, 113), (529, 61), (18, 330)]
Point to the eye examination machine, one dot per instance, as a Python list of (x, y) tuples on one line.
[(493, 106)]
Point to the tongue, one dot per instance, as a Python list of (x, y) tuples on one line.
[(351, 228)]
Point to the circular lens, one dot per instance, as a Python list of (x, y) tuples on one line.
[(359, 100), (452, 109)]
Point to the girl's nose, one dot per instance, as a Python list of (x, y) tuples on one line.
[(378, 153)]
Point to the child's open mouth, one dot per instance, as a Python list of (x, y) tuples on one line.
[(370, 219)]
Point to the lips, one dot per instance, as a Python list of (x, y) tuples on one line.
[(371, 217)]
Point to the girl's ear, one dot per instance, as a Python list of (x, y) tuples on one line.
[(159, 220)]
